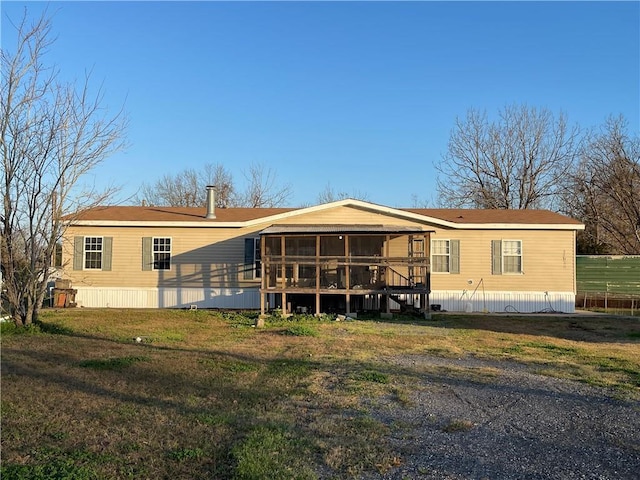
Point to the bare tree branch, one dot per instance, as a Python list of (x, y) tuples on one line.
[(262, 189), (605, 190), (330, 195), (53, 134), (517, 161), (188, 188)]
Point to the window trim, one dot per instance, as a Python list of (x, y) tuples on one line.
[(153, 254), (85, 251), (448, 255), (503, 255), (257, 258), (453, 256)]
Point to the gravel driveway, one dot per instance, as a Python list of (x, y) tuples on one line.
[(475, 419)]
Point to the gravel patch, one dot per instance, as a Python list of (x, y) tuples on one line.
[(476, 419)]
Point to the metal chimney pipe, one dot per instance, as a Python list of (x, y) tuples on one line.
[(211, 201)]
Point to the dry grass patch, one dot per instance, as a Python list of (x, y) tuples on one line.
[(457, 425)]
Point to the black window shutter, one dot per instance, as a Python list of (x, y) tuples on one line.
[(249, 250)]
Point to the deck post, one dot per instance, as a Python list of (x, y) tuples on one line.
[(284, 304)]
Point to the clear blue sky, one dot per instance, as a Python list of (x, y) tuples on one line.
[(358, 95)]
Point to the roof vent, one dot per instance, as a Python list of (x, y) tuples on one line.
[(211, 201)]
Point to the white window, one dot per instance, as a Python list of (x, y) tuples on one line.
[(93, 253), (161, 253), (440, 256), (512, 256)]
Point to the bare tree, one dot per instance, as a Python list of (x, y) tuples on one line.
[(53, 133), (262, 189), (188, 188), (518, 161), (418, 202), (330, 195), (605, 190)]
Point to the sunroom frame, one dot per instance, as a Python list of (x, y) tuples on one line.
[(365, 264)]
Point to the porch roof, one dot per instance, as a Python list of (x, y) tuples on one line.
[(344, 229)]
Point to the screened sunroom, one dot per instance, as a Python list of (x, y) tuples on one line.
[(344, 268)]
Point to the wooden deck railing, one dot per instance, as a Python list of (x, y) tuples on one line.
[(369, 273)]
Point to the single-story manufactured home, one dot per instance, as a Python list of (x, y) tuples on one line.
[(344, 256)]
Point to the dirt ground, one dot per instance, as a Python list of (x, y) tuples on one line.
[(506, 422)]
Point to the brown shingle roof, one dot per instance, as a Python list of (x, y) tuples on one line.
[(456, 215), (232, 215), (176, 214)]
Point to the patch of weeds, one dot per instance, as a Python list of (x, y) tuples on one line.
[(133, 471), (513, 349), (84, 456), (126, 411), (9, 328), (59, 435), (172, 337), (233, 366), (301, 331), (60, 468), (618, 365), (289, 368), (54, 328), (129, 447), (183, 454), (402, 396), (457, 425), (243, 317), (440, 352), (37, 328), (613, 364), (353, 445), (214, 419), (273, 453), (373, 376), (633, 335), (117, 363), (239, 367), (200, 316), (277, 319), (556, 349)]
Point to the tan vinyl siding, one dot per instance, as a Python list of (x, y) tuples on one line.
[(213, 257), (547, 261), (345, 216), (199, 257)]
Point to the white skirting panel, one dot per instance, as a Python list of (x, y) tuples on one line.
[(504, 302), (232, 298)]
